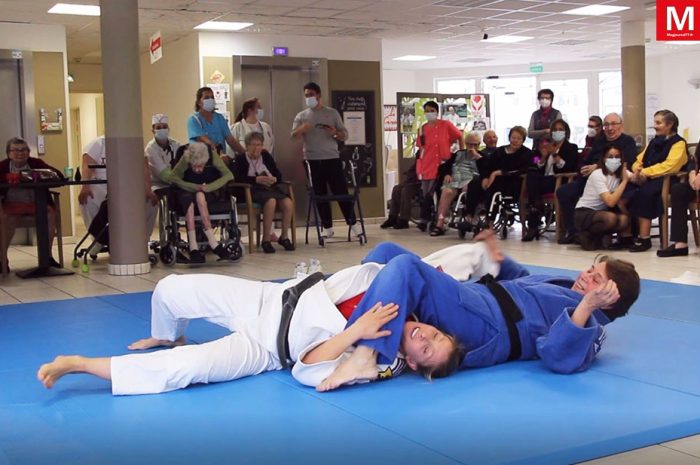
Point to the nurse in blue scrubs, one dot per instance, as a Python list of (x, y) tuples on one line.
[(207, 126)]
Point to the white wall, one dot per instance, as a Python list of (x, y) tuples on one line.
[(87, 104), (37, 38), (667, 76), (217, 44)]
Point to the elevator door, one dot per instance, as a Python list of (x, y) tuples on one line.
[(280, 89), (10, 96)]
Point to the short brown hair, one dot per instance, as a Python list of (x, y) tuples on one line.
[(520, 130), (14, 141), (449, 366), (626, 278)]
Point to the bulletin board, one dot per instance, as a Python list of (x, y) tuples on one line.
[(356, 108)]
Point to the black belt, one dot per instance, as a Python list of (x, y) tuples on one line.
[(511, 314), (290, 298)]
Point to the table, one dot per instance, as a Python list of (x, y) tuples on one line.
[(41, 196)]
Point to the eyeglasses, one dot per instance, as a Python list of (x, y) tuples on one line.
[(609, 125), (22, 150), (469, 144)]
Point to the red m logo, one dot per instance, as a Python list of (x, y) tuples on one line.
[(677, 20)]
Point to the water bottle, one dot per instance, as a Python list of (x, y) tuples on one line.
[(314, 266), (300, 270)]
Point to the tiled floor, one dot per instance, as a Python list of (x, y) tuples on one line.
[(339, 255)]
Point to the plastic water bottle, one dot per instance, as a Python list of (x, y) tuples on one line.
[(314, 266), (301, 270)]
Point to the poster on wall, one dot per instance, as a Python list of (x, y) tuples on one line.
[(389, 117), (360, 149)]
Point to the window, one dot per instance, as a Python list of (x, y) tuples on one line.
[(571, 98), (610, 92), (512, 102), (455, 86)]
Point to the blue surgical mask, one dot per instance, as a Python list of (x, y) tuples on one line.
[(558, 136), (162, 134), (259, 113), (208, 104), (311, 102), (612, 164)]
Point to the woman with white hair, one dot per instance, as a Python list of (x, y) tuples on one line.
[(199, 174)]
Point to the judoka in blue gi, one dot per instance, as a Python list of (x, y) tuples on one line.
[(514, 316)]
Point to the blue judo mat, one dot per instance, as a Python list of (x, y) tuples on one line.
[(643, 389)]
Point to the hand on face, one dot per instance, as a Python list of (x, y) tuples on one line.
[(604, 296)]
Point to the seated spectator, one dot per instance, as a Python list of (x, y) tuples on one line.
[(501, 173), (666, 154), (682, 194), (569, 193), (250, 120), (595, 132), (159, 153), (198, 174), (462, 168), (258, 168), (402, 196), (600, 212), (556, 155), (490, 143), (18, 202)]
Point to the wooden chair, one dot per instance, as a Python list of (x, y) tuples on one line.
[(253, 213), (27, 221), (560, 178), (666, 201)]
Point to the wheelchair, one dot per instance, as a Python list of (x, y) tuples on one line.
[(172, 248)]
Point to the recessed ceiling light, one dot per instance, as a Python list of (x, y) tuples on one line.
[(75, 9), (414, 58), (595, 10), (223, 26), (506, 39)]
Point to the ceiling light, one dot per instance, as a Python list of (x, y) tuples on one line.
[(414, 58), (75, 9), (506, 39), (595, 10), (222, 26), (71, 78)]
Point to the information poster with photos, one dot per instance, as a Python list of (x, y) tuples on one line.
[(357, 110)]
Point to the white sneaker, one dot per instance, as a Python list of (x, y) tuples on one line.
[(327, 232), (356, 229)]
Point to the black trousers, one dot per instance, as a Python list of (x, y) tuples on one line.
[(402, 196), (537, 185), (327, 174), (568, 196), (681, 195)]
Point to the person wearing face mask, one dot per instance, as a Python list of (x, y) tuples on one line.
[(665, 154), (600, 211), (593, 134), (321, 128), (250, 120), (542, 118), (556, 155), (434, 142), (207, 126), (159, 153)]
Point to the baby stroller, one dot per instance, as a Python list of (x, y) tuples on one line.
[(99, 231)]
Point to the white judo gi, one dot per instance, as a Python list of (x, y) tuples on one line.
[(252, 309)]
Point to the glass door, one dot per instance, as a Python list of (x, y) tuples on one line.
[(513, 101)]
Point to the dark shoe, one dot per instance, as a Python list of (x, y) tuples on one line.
[(567, 239), (641, 245), (622, 243), (221, 252), (389, 223), (532, 233), (401, 224), (672, 251), (422, 226), (196, 256), (437, 231), (588, 242), (286, 243), (267, 247)]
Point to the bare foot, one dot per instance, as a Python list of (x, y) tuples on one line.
[(362, 365), (150, 342), (49, 373)]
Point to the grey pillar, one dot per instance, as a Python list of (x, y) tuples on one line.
[(121, 82), (633, 79)]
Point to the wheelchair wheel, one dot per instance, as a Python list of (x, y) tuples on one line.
[(167, 254), (85, 268), (235, 251), (153, 259), (362, 239), (75, 263)]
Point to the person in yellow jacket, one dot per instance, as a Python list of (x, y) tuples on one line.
[(665, 154)]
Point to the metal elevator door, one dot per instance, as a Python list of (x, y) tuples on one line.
[(11, 98), (279, 83)]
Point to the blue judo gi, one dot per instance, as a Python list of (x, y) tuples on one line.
[(470, 312)]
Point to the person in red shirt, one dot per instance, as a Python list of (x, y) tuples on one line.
[(435, 139)]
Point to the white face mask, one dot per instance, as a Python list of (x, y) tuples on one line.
[(612, 164), (162, 134), (545, 102), (259, 113), (311, 102), (208, 104), (592, 132), (431, 116), (558, 136)]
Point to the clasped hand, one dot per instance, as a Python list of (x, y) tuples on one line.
[(369, 325)]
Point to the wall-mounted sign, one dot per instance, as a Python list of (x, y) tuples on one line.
[(357, 110), (280, 51), (156, 47), (536, 67)]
